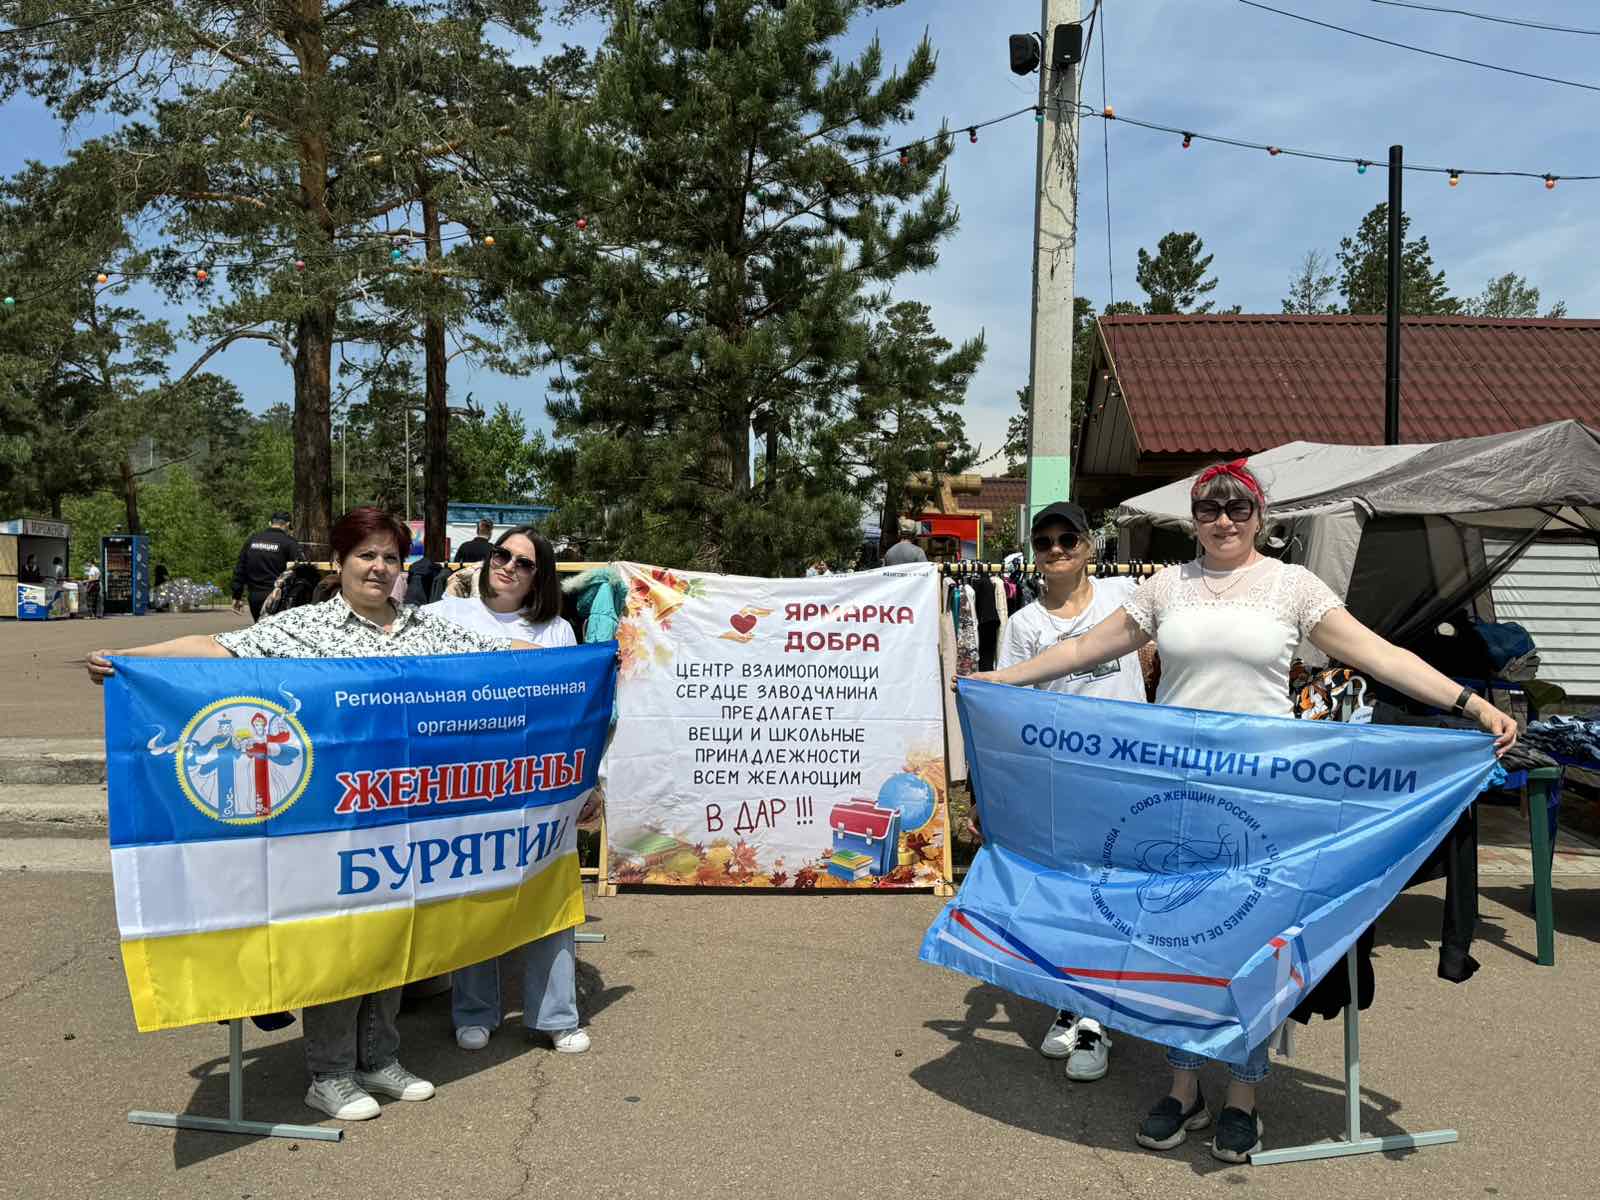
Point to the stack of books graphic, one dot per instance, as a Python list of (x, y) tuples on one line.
[(850, 865)]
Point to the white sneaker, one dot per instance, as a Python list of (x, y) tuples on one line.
[(472, 1037), (341, 1099), (570, 1041), (397, 1082), (1091, 1053), (1063, 1033)]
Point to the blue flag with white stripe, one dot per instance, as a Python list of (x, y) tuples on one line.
[(1184, 876)]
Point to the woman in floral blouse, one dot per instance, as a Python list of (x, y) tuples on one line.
[(352, 1045)]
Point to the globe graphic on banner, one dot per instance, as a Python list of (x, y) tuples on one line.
[(912, 795)]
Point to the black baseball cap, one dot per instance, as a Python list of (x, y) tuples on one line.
[(280, 517), (1062, 510)]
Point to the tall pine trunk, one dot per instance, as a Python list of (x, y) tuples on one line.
[(313, 425), (130, 496), (436, 418)]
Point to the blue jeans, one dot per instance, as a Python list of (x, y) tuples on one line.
[(346, 1034), (549, 987), (1253, 1071)]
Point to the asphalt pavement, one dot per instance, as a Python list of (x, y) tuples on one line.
[(767, 1045), (783, 1045)]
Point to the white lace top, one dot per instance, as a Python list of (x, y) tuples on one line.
[(1226, 638)]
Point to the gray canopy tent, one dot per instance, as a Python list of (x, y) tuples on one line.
[(1409, 534)]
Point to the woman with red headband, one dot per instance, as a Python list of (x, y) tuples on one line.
[(1226, 626)]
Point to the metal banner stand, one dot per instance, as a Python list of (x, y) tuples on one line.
[(589, 937), (1353, 1142), (235, 1122)]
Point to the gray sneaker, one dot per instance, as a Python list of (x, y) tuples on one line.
[(341, 1099), (395, 1081)]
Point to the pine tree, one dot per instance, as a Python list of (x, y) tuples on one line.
[(284, 145), (1364, 270), (1175, 277), (738, 194), (1510, 295), (906, 417), (1311, 285)]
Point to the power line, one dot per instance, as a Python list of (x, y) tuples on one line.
[(1471, 62), (1462, 12)]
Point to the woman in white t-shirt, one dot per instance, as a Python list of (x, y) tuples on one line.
[(1071, 606), (1226, 627), (517, 594)]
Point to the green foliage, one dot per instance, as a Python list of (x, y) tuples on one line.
[(493, 460), (904, 416), (187, 533), (1174, 277), (301, 132), (1084, 338), (1311, 286), (1510, 295), (1364, 270), (722, 284)]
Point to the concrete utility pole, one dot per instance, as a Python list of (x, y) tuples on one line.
[(1055, 241)]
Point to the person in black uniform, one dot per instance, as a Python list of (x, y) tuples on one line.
[(264, 556), (480, 547)]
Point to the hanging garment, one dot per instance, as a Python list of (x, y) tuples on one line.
[(955, 748), (967, 632), (419, 582), (988, 621), (601, 597)]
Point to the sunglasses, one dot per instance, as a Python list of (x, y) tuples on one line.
[(1207, 511), (502, 558), (1068, 542)]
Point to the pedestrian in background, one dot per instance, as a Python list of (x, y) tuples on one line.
[(478, 548), (264, 556)]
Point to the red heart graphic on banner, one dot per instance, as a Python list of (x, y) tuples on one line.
[(742, 623)]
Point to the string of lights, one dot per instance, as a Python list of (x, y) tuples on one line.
[(1455, 174), (212, 262)]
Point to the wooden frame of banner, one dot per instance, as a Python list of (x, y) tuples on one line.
[(1353, 1142), (235, 1122)]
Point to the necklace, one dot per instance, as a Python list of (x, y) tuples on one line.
[(1238, 574)]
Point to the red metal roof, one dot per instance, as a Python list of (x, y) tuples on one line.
[(1208, 384)]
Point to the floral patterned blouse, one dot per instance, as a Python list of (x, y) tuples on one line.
[(333, 629)]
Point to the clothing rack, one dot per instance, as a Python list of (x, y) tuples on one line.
[(1098, 569)]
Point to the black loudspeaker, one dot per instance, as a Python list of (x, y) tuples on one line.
[(1066, 48), (1024, 54)]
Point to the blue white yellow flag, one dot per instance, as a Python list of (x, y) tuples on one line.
[(290, 832), (1186, 876)]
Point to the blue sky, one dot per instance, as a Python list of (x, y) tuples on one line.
[(1214, 66)]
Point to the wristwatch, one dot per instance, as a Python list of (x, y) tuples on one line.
[(1459, 708)]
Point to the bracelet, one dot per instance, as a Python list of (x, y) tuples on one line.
[(1459, 708)]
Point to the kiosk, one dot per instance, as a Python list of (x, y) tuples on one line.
[(32, 593)]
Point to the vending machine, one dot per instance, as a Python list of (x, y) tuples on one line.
[(125, 574)]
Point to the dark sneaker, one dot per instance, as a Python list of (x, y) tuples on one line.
[(1168, 1123), (1238, 1135)]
